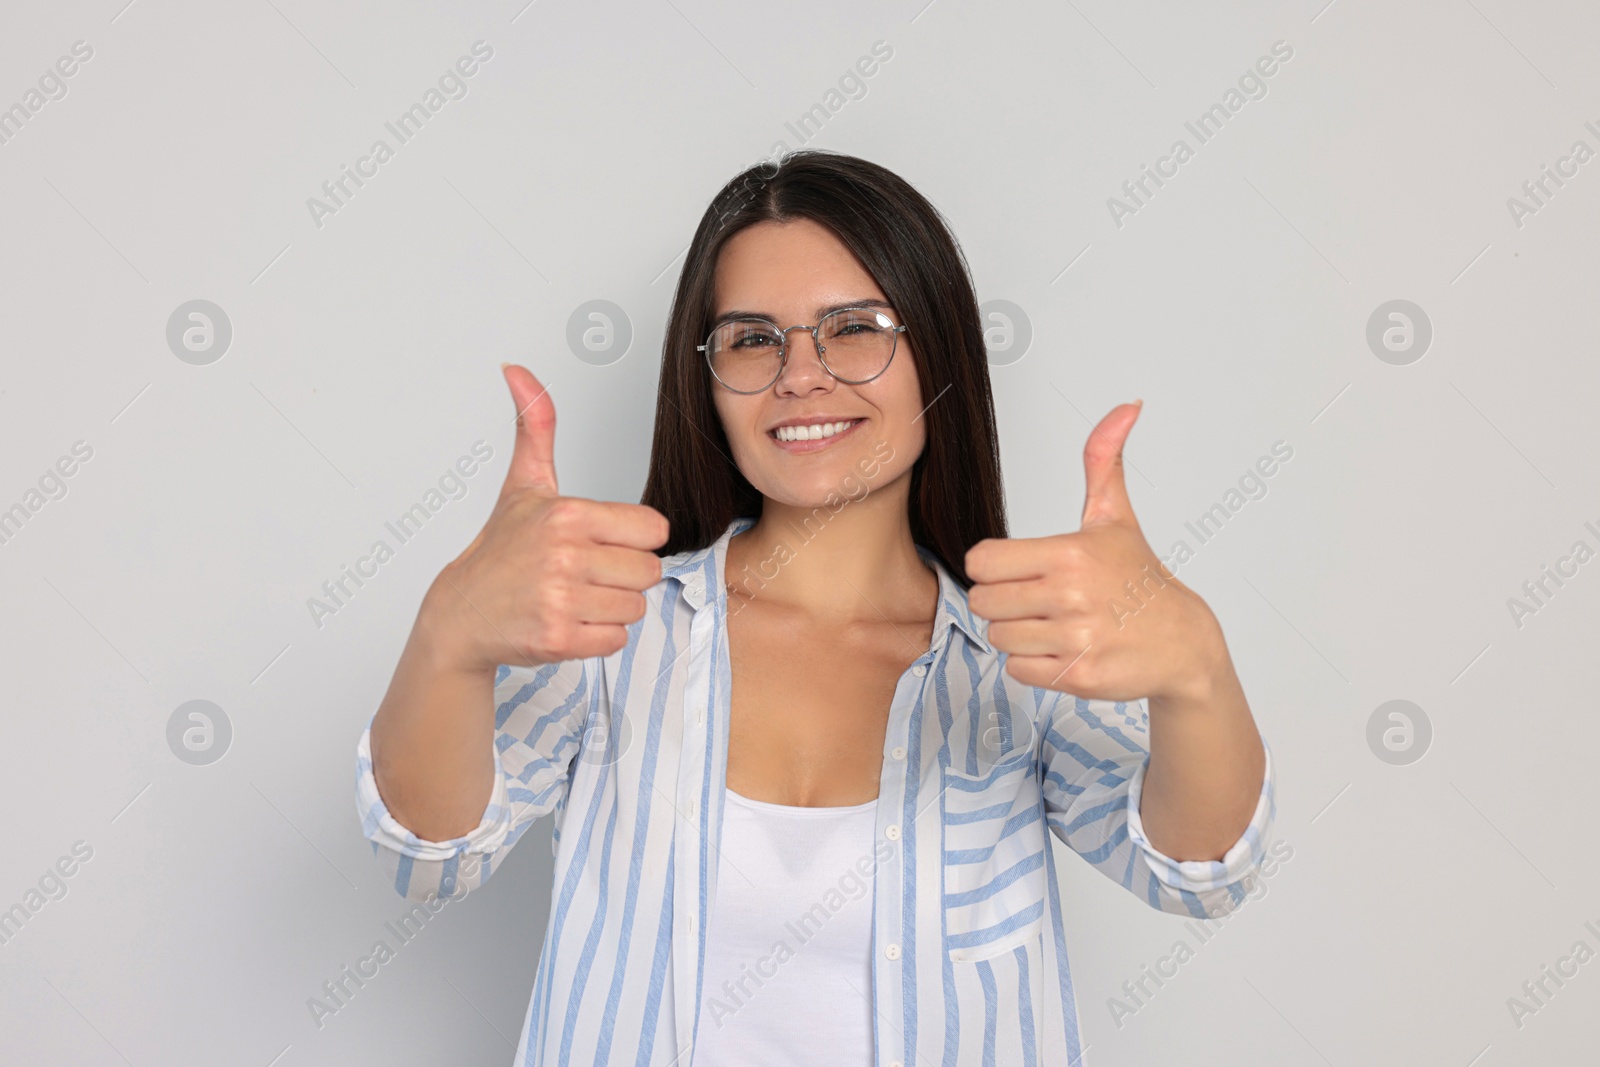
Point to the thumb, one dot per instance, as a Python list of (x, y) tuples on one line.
[(1105, 493), (533, 456)]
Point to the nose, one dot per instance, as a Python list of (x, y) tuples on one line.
[(802, 365)]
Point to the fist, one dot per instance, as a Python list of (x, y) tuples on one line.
[(1095, 613), (549, 577)]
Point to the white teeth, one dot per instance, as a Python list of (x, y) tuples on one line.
[(814, 432)]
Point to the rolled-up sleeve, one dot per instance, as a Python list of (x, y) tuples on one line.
[(540, 715), (1094, 755)]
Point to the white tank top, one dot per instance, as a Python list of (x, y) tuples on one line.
[(788, 972)]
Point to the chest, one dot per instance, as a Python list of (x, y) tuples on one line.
[(809, 705)]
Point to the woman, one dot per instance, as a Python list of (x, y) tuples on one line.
[(806, 713)]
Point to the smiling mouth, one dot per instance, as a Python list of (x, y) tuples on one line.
[(799, 439), (816, 431)]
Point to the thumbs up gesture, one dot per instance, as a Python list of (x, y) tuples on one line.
[(549, 577), (1095, 613)]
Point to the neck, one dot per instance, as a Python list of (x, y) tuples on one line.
[(857, 563)]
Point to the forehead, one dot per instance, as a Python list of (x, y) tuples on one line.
[(788, 269)]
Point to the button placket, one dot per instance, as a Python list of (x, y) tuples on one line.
[(694, 593), (690, 890), (888, 997)]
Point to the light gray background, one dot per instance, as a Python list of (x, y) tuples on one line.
[(364, 361)]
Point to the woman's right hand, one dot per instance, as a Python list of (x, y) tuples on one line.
[(549, 577)]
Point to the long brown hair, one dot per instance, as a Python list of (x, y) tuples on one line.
[(957, 498)]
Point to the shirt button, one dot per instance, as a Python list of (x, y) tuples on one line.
[(691, 924), (700, 715), (689, 807), (892, 833), (892, 951), (898, 752), (919, 670)]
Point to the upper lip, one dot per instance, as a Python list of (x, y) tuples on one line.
[(809, 420)]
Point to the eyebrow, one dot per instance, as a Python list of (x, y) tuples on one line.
[(822, 312)]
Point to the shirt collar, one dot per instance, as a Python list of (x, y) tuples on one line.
[(702, 570)]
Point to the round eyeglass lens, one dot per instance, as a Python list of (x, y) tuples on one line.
[(857, 343)]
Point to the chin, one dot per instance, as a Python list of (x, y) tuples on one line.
[(829, 478), (832, 489), (828, 495)]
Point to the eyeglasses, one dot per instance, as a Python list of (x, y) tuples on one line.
[(855, 345)]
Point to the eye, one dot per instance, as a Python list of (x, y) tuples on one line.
[(753, 335), (854, 323)]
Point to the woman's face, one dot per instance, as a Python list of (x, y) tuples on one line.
[(791, 272)]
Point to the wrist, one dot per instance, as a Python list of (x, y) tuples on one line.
[(1209, 677), (440, 638)]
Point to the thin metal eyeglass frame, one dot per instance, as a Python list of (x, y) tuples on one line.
[(822, 351)]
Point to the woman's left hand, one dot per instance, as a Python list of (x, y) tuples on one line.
[(1095, 613)]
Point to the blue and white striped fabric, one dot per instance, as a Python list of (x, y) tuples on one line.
[(969, 951)]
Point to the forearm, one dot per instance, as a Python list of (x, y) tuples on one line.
[(1206, 765), (433, 735)]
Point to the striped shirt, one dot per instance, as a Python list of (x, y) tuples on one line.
[(969, 955)]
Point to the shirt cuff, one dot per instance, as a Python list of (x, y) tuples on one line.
[(384, 830), (1198, 876)]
